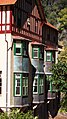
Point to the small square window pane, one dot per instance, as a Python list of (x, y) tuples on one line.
[(48, 56), (7, 27), (35, 52), (17, 90), (3, 28), (18, 50)]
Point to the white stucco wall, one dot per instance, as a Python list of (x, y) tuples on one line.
[(3, 63)]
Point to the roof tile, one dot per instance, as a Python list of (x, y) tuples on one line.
[(7, 2)]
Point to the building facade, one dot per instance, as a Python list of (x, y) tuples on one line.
[(26, 40)]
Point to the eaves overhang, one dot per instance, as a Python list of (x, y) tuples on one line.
[(7, 2), (52, 26), (41, 10)]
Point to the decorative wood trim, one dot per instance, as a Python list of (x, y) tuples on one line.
[(28, 37), (25, 30), (3, 9)]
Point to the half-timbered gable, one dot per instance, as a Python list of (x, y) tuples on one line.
[(5, 19), (27, 19)]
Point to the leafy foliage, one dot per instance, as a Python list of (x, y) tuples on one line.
[(56, 12), (62, 19), (63, 54), (59, 78), (16, 114)]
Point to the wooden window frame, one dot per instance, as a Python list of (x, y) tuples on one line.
[(39, 87), (25, 85), (4, 10), (50, 55), (35, 50), (35, 85), (21, 86), (41, 84), (23, 46), (39, 52), (16, 84), (18, 44)]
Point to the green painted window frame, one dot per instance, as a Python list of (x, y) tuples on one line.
[(50, 55), (23, 46), (25, 85), (35, 85), (21, 76), (19, 44), (36, 49), (39, 52), (41, 84)]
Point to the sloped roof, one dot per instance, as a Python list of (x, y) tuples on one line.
[(7, 2), (41, 10), (37, 43), (50, 25)]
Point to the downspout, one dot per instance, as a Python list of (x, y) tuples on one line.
[(6, 63)]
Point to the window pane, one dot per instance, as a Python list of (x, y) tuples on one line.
[(25, 48), (25, 84), (41, 52), (17, 50), (23, 90), (48, 56), (35, 52), (26, 90), (17, 84), (35, 85), (18, 90), (35, 89), (41, 84)]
